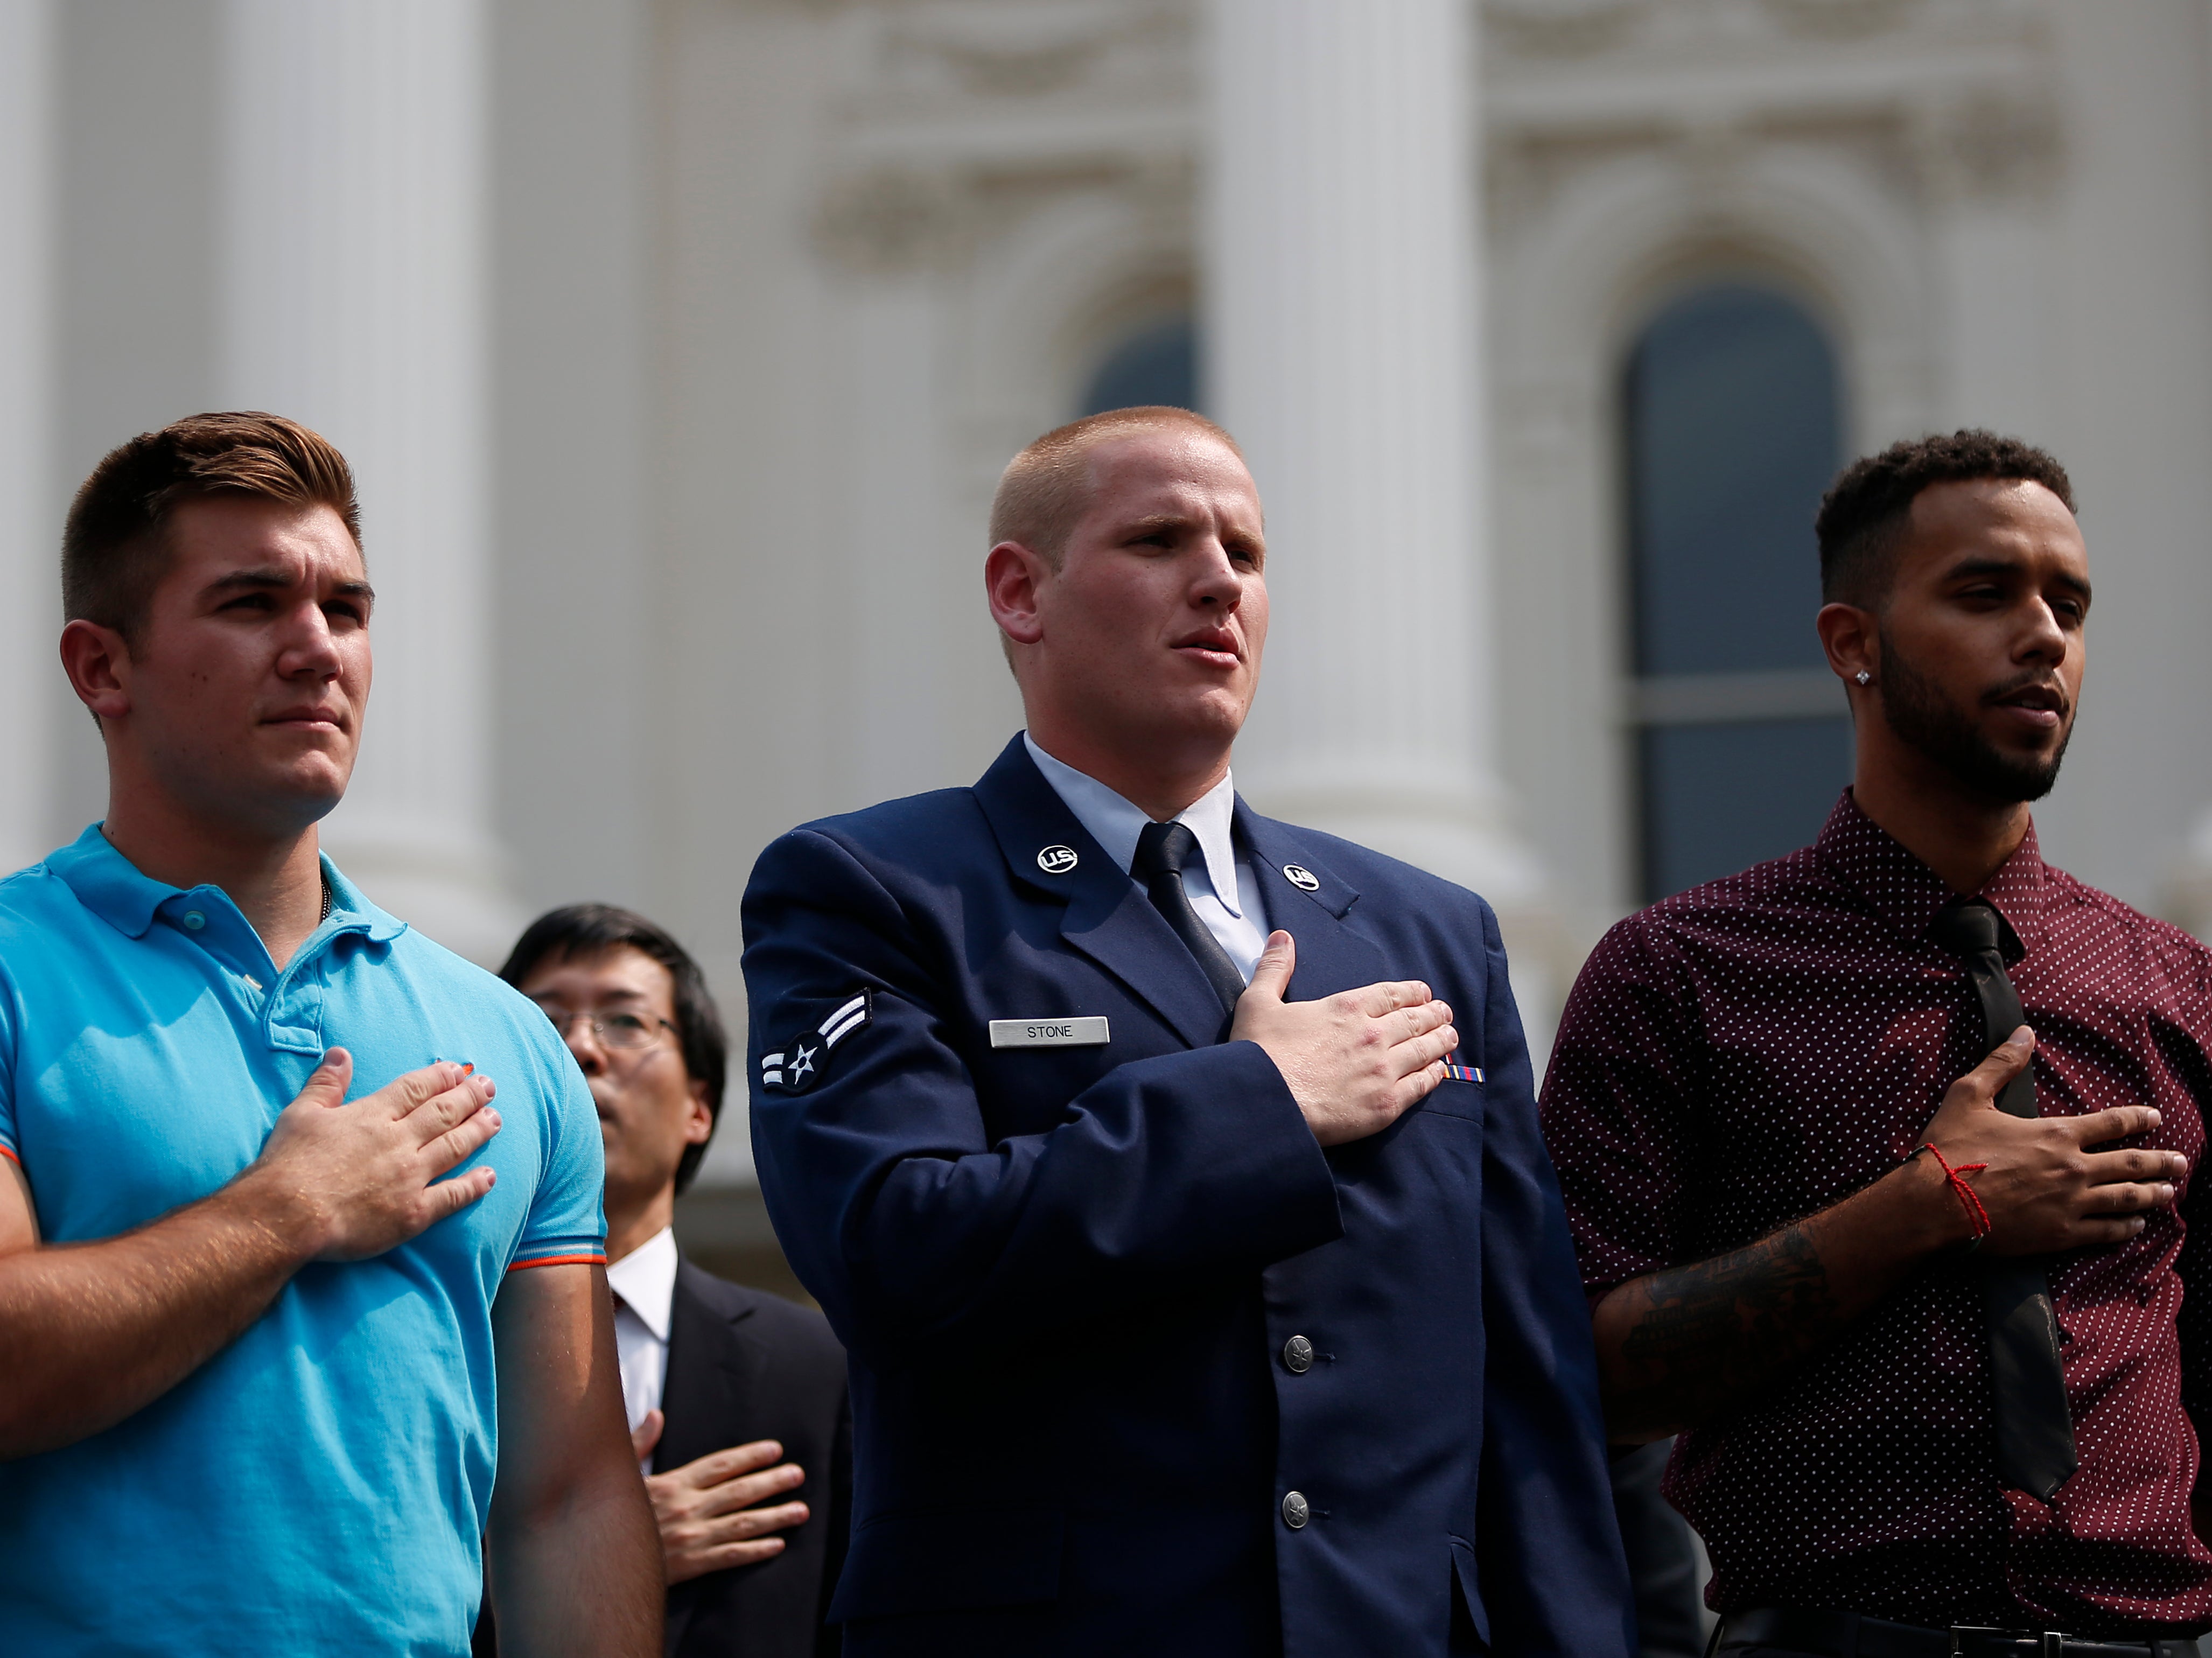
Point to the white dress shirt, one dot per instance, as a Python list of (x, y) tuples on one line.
[(1222, 890), (644, 1283)]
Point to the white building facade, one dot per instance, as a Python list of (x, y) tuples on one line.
[(678, 344)]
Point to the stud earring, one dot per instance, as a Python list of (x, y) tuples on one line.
[(1863, 678)]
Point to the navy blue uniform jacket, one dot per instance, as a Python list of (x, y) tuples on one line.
[(1066, 1275)]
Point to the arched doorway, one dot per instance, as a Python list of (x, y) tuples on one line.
[(1155, 364), (1733, 424)]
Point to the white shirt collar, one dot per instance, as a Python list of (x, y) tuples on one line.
[(645, 1278), (1115, 823)]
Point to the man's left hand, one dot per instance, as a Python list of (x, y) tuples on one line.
[(715, 1513)]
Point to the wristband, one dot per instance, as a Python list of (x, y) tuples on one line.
[(1956, 1179)]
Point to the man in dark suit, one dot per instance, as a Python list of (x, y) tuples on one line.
[(1184, 1318), (737, 1399)]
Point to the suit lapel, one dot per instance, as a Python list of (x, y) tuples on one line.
[(1106, 918), (710, 1385), (1331, 956), (709, 1381)]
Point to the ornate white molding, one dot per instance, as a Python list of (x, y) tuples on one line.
[(1842, 19), (1946, 101), (1031, 48), (1704, 31), (1560, 28), (959, 118), (955, 58), (891, 219), (1988, 144)]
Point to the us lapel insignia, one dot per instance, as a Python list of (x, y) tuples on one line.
[(1302, 877), (1056, 859), (799, 1063)]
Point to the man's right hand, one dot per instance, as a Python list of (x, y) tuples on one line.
[(1356, 1061), (1681, 1346), (349, 1181), (717, 1511), (2044, 1189)]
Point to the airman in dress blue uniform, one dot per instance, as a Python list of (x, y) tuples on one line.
[(1183, 1318)]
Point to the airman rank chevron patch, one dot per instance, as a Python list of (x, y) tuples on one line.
[(797, 1064)]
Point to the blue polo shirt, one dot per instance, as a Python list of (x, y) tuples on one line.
[(320, 1485)]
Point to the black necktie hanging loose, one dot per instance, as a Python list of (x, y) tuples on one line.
[(2034, 1429), (1163, 849)]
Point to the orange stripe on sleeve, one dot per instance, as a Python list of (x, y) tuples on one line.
[(8, 1152), (560, 1261)]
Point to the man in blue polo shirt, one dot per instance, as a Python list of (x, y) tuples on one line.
[(257, 1403)]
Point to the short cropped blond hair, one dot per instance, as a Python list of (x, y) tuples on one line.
[(1045, 489)]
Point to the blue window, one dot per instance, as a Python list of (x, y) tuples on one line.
[(1157, 364), (1734, 430)]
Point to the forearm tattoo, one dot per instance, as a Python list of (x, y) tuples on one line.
[(1712, 1331)]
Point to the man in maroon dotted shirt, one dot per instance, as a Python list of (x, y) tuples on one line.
[(1744, 1073)]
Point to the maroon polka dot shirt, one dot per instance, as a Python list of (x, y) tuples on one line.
[(1751, 1051)]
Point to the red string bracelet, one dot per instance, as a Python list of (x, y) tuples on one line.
[(1956, 1179)]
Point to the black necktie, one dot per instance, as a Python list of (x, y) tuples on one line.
[(2035, 1430), (1162, 851)]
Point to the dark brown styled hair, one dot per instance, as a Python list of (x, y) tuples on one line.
[(114, 544)]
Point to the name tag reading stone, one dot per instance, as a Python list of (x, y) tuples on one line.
[(1050, 1033)]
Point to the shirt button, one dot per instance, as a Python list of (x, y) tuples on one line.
[(1296, 1510), (194, 921), (1298, 1355)]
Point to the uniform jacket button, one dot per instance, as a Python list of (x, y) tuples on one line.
[(1298, 1355), (1296, 1510)]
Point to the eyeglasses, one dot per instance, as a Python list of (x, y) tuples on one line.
[(626, 1030)]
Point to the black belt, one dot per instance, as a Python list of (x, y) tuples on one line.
[(1848, 1635)]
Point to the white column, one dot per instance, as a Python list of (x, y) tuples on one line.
[(30, 537), (1343, 308), (357, 138), (894, 583)]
